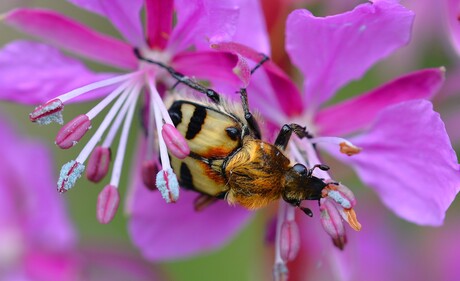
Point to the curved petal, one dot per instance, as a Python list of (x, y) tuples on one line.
[(357, 113), (202, 21), (33, 73), (163, 231), (124, 15), (251, 29), (213, 65), (408, 160), (453, 10), (30, 188), (68, 34), (334, 50)]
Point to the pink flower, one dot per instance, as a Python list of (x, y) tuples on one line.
[(21, 61), (37, 238), (405, 153)]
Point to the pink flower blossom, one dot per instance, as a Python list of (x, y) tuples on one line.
[(37, 238)]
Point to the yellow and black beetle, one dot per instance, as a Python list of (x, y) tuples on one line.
[(229, 160)]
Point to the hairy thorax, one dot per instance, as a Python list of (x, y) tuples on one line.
[(255, 174)]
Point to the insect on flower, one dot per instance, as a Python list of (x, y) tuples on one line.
[(229, 160)]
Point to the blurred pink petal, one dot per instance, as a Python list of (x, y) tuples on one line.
[(124, 15), (28, 73), (169, 231), (407, 158), (357, 113), (66, 33), (453, 15), (334, 50)]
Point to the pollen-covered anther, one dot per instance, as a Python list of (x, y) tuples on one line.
[(168, 185), (72, 132), (290, 240), (341, 194), (332, 223), (107, 204), (149, 173), (47, 113), (70, 172), (175, 142), (349, 149), (98, 164)]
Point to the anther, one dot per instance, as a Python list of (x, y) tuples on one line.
[(107, 204), (168, 185), (70, 172), (149, 172), (349, 149), (72, 132), (98, 164), (352, 219), (332, 223), (47, 113), (175, 142), (290, 240)]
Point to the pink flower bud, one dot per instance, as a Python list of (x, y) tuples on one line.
[(107, 204), (98, 164), (175, 142), (332, 223), (48, 112), (290, 240), (149, 172), (73, 131)]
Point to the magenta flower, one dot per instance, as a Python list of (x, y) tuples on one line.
[(37, 238), (73, 82), (198, 23), (404, 151)]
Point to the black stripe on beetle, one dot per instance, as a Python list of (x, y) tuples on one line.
[(196, 122)]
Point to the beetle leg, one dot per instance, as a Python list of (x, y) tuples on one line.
[(252, 122), (285, 133), (181, 78), (202, 201)]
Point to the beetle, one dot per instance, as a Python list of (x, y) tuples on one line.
[(228, 158)]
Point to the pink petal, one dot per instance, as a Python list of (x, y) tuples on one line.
[(334, 50), (28, 74), (201, 21), (359, 112), (66, 33), (251, 29), (215, 66), (453, 13), (159, 15), (28, 198), (408, 159), (124, 15), (164, 231)]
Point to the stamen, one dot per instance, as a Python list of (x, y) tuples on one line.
[(116, 172), (98, 164), (168, 186), (47, 113), (290, 240), (280, 270), (149, 173), (73, 131), (339, 199), (96, 85), (332, 223), (70, 172), (107, 204), (175, 142), (108, 99), (242, 70), (346, 147)]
